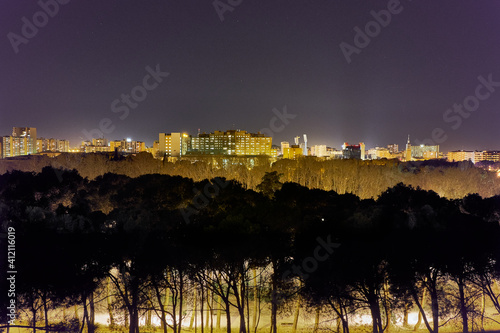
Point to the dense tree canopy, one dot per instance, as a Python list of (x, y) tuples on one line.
[(168, 246)]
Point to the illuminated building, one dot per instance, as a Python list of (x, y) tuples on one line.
[(461, 155), (127, 146), (173, 144), (232, 142), (304, 145), (284, 145), (422, 152), (478, 156), (319, 150), (21, 142), (53, 145), (353, 151), (393, 149), (293, 152), (379, 152), (29, 132), (491, 155), (425, 152), (155, 149), (408, 150), (100, 142), (95, 146)]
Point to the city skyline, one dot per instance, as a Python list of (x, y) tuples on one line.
[(274, 143), (346, 71)]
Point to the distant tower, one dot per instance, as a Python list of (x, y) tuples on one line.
[(408, 149), (297, 138), (305, 145)]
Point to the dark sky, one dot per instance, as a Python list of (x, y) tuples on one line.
[(269, 54)]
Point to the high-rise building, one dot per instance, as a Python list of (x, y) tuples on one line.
[(62, 146), (232, 142), (21, 142), (29, 132)]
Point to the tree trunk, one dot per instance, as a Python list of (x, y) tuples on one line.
[(239, 295), (201, 307), (210, 312), (373, 303), (387, 308), (483, 309), (33, 311), (274, 300), (161, 304), (133, 309), (219, 312), (126, 319), (91, 316), (191, 322), (228, 316), (435, 309), (110, 304), (316, 320), (45, 313), (405, 315), (420, 305), (181, 295), (164, 309), (463, 305), (255, 301), (85, 318), (376, 319), (296, 315)]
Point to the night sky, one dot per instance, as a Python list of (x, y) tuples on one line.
[(264, 55)]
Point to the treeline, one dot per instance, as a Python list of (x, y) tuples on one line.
[(365, 179), (167, 247)]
